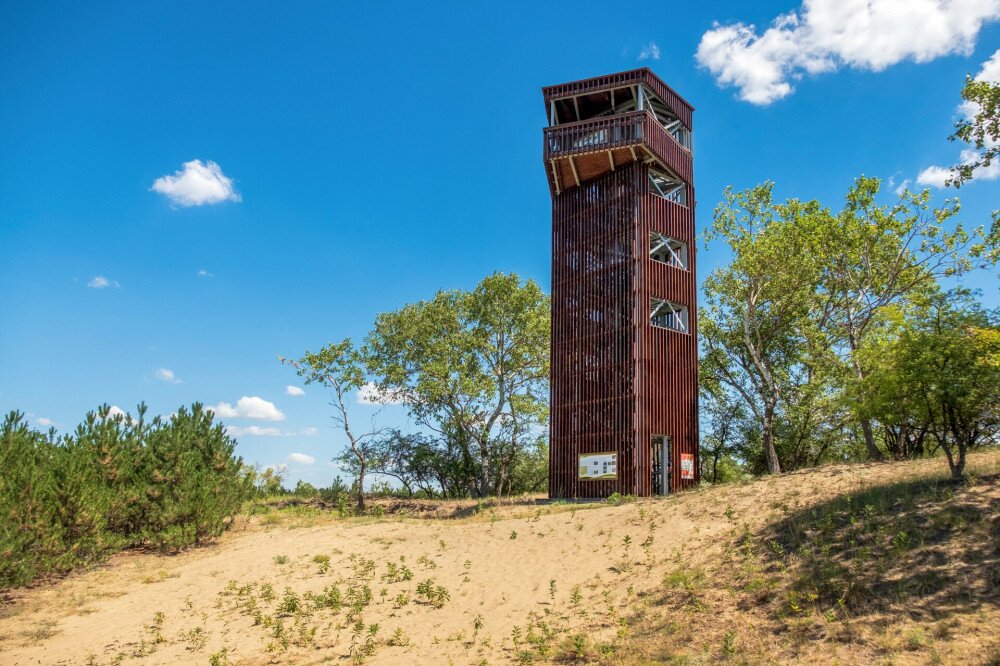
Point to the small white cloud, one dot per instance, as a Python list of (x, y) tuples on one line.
[(826, 35), (902, 187), (301, 458), (249, 407), (116, 411), (370, 394), (650, 52), (934, 176), (293, 390), (204, 273), (253, 431), (167, 375), (101, 282), (938, 176), (197, 184), (268, 431), (44, 422)]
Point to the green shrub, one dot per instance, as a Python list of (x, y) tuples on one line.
[(115, 482)]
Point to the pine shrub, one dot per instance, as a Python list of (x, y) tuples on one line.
[(115, 482)]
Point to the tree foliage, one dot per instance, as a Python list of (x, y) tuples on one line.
[(937, 377), (472, 367), (340, 367), (790, 325), (116, 481)]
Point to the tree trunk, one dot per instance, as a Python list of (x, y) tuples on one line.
[(872, 448), (866, 423), (773, 464), (484, 471), (361, 487)]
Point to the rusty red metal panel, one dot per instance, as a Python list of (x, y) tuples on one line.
[(616, 380)]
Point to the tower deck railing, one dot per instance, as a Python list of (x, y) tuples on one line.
[(638, 131)]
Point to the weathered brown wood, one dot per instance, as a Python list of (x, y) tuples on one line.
[(617, 380)]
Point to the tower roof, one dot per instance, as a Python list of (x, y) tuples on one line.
[(634, 77)]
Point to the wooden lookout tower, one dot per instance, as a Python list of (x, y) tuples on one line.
[(624, 401)]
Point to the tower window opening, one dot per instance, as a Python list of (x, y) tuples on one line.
[(664, 314), (668, 250), (668, 187)]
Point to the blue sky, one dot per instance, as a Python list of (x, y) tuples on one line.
[(354, 158)]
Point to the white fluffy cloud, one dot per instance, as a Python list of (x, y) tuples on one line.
[(938, 176), (167, 375), (370, 394), (293, 390), (301, 458), (204, 273), (934, 176), (650, 52), (44, 422), (249, 407), (197, 184), (268, 431), (116, 411), (253, 431), (101, 282), (825, 35)]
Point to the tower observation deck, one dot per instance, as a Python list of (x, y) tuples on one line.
[(624, 371)]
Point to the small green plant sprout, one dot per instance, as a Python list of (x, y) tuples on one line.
[(281, 559), (398, 638), (442, 545), (329, 598), (196, 637), (401, 600), (267, 592), (576, 596), (155, 628), (552, 589), (576, 648), (436, 595), (323, 561), (477, 624), (617, 499), (290, 603), (426, 562), (219, 658), (513, 534), (729, 644)]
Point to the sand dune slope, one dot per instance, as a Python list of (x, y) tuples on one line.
[(491, 587)]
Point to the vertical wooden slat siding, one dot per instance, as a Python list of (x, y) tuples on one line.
[(617, 380)]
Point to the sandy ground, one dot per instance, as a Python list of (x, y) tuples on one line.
[(510, 572)]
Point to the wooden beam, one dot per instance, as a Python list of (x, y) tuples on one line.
[(611, 158), (572, 165), (555, 175), (577, 107)]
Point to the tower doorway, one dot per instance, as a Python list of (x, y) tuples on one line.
[(660, 456)]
